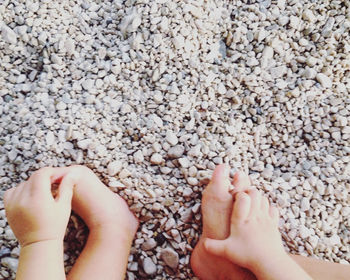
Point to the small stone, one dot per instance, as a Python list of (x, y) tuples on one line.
[(186, 216), (309, 73), (15, 252), (170, 224), (56, 59), (156, 158), (196, 11), (221, 89), (266, 57), (294, 22), (11, 263), (149, 244), (4, 251), (148, 266), (327, 28), (192, 181), (8, 35), (50, 138), (114, 168), (124, 173), (184, 162), (187, 192), (304, 232), (309, 15), (9, 235), (343, 121), (61, 106), (171, 138), (69, 46), (88, 84), (176, 151), (311, 61), (334, 240), (21, 78), (179, 42), (267, 173), (278, 72), (325, 81), (305, 204), (138, 156), (170, 257), (84, 144)]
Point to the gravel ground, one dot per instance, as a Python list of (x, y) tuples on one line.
[(152, 96)]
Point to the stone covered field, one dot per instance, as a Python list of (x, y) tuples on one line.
[(153, 94)]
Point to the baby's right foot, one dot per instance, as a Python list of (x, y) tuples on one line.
[(97, 205), (254, 232), (255, 241)]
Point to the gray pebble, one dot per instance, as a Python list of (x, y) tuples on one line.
[(11, 263), (8, 34), (176, 151), (148, 266), (170, 257), (149, 244)]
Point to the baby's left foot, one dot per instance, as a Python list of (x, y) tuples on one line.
[(99, 207)]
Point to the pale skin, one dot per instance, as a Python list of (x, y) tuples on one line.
[(109, 219), (39, 222), (217, 204), (254, 241)]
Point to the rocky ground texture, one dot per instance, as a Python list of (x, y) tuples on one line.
[(153, 94)]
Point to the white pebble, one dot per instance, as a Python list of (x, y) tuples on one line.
[(8, 34), (324, 80)]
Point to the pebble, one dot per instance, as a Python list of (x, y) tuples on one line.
[(50, 138), (156, 158), (69, 46), (184, 162), (88, 84), (170, 224), (324, 80), (9, 235), (170, 257), (309, 73), (11, 263), (148, 266), (149, 244), (114, 168), (305, 204), (8, 35), (187, 192), (179, 42), (176, 151), (304, 232), (138, 157), (171, 138), (192, 181), (84, 144)]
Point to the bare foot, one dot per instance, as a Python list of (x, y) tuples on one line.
[(112, 226), (96, 204), (251, 214), (216, 213), (255, 241)]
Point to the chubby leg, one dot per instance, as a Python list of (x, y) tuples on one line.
[(322, 270), (217, 206), (111, 224)]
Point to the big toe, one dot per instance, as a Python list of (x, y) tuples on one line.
[(241, 181), (217, 204)]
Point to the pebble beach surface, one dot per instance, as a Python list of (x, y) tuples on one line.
[(153, 94)]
